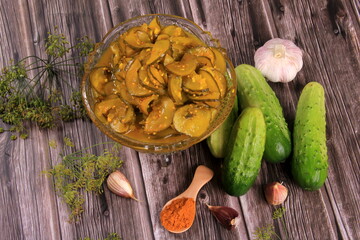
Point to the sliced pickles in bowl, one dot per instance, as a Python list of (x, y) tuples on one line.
[(158, 83)]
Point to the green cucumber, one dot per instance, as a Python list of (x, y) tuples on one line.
[(244, 152), (309, 164), (218, 140), (254, 91)]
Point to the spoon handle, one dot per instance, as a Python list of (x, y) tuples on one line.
[(201, 177)]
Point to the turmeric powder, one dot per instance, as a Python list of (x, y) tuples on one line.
[(178, 215)]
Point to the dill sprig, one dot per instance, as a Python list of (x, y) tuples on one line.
[(111, 236), (268, 232), (81, 170), (37, 89)]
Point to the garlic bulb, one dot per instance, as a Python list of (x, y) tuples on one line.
[(275, 193), (279, 60)]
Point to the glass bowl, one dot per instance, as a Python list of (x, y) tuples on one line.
[(161, 145)]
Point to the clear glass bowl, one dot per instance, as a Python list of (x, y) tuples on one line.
[(170, 144)]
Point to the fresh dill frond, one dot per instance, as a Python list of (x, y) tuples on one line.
[(279, 212), (68, 142), (34, 88), (56, 44), (53, 144), (264, 233), (111, 236), (83, 171), (268, 232)]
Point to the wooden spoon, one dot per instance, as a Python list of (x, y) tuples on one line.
[(201, 177)]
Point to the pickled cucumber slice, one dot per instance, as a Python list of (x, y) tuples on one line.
[(156, 74), (219, 78), (154, 25), (203, 52), (192, 120), (195, 82), (143, 103), (173, 30), (174, 88), (132, 81), (158, 50), (137, 39), (161, 115), (98, 78), (219, 63), (213, 94), (184, 67)]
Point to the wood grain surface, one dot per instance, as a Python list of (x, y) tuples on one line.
[(328, 31)]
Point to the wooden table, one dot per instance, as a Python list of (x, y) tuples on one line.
[(327, 31)]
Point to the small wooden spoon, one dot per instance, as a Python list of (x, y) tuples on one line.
[(201, 177)]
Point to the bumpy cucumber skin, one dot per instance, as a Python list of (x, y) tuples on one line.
[(254, 91), (244, 152), (309, 164), (217, 141)]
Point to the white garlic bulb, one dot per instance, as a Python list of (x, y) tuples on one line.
[(279, 60)]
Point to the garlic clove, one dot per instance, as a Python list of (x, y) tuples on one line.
[(119, 184), (275, 193), (225, 215), (279, 60)]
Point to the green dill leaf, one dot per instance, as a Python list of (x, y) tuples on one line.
[(82, 171), (24, 136), (111, 236), (2, 130), (56, 44), (278, 213), (53, 144), (85, 46), (68, 142), (40, 97)]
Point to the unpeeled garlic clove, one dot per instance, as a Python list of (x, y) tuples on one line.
[(279, 60), (275, 193), (225, 215), (119, 184)]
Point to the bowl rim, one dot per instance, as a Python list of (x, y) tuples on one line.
[(135, 144)]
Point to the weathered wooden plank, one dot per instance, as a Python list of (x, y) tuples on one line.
[(328, 32)]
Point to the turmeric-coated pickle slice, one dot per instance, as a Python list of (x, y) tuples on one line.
[(175, 90), (219, 78), (159, 76), (143, 103), (132, 81), (203, 52), (102, 108), (136, 38), (98, 78), (192, 120), (219, 63), (213, 93), (158, 50), (184, 67), (154, 25), (161, 115), (195, 82), (173, 30)]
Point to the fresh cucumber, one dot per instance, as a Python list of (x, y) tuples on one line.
[(309, 164), (244, 152), (218, 140), (254, 91)]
